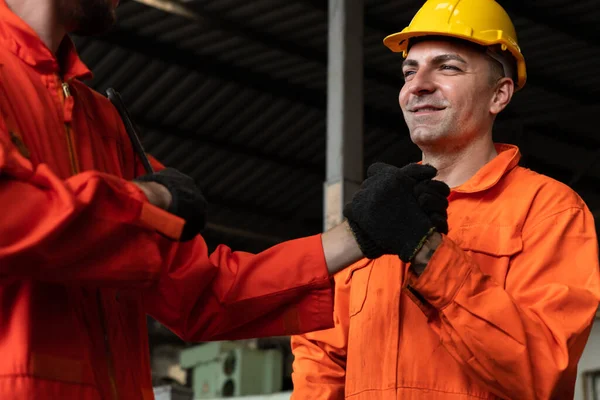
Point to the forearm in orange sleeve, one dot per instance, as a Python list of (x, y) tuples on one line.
[(522, 340), (231, 295)]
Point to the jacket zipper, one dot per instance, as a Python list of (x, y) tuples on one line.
[(66, 91), (69, 133)]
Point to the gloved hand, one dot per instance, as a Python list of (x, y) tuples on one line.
[(187, 199), (432, 196), (390, 214)]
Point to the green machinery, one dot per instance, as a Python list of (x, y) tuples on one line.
[(229, 369)]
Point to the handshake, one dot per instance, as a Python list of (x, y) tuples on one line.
[(393, 212), (396, 209)]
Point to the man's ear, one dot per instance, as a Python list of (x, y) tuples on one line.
[(503, 93)]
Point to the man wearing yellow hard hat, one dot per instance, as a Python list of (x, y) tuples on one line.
[(501, 306)]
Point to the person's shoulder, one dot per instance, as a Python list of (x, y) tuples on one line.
[(547, 194), (545, 185)]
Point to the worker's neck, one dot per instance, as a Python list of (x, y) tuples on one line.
[(459, 165), (43, 17)]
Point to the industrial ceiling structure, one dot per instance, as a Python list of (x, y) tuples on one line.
[(234, 93)]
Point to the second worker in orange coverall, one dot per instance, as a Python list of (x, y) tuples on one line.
[(501, 306), (81, 258)]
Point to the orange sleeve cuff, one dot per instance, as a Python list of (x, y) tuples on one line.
[(155, 218), (316, 311), (160, 220), (441, 280)]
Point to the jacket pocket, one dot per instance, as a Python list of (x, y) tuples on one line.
[(487, 239), (359, 276), (491, 246)]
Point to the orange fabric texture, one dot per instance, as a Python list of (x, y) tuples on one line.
[(503, 309), (83, 257)]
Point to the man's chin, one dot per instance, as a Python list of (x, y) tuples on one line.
[(423, 134), (426, 137)]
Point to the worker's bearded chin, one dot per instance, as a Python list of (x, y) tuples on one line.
[(89, 17)]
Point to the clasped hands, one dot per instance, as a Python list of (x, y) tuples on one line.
[(397, 210)]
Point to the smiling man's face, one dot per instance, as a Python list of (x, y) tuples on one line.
[(447, 95)]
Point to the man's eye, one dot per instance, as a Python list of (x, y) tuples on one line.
[(408, 73), (449, 67)]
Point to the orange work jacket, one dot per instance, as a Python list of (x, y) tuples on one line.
[(84, 257), (503, 309)]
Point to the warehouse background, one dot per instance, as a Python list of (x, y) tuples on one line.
[(234, 93)]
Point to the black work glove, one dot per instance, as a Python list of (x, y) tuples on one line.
[(432, 196), (385, 215), (188, 201)]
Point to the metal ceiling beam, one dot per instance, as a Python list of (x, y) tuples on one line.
[(148, 122), (170, 53), (184, 154), (210, 140), (196, 13), (172, 7)]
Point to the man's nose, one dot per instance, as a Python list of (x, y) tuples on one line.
[(421, 83)]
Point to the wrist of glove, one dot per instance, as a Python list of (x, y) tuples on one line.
[(187, 199), (367, 246), (396, 209), (432, 197), (372, 250)]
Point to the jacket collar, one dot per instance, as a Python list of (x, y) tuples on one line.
[(508, 157), (21, 40)]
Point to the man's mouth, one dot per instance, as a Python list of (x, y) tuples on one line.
[(426, 109)]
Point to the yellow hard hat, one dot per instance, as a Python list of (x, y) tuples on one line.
[(480, 21)]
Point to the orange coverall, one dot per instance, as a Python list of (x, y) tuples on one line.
[(503, 309), (80, 262)]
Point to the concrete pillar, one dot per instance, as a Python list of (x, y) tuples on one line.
[(344, 107)]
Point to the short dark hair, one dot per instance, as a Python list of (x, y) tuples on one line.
[(495, 67)]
